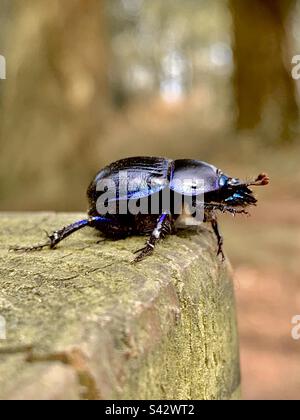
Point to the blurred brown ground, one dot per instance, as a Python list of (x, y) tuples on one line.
[(265, 253)]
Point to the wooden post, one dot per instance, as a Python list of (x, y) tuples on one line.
[(84, 323)]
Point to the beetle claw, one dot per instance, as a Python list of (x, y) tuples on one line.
[(143, 252), (222, 255), (220, 250), (34, 248), (28, 249)]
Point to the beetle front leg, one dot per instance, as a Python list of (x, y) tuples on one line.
[(216, 229), (162, 228)]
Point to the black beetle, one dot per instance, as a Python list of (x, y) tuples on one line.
[(150, 177)]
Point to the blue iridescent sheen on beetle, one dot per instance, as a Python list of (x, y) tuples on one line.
[(223, 181), (151, 176)]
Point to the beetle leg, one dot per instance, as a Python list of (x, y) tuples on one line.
[(56, 237), (162, 228), (215, 227)]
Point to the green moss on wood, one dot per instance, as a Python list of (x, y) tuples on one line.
[(105, 328)]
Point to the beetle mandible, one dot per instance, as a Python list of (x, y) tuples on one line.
[(153, 176)]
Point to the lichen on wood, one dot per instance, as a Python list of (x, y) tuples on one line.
[(85, 323)]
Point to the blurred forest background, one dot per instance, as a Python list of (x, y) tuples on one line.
[(92, 81)]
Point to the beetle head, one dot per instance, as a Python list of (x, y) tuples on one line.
[(237, 193)]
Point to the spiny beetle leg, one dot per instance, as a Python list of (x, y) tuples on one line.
[(56, 237), (162, 228), (144, 252), (29, 248), (215, 226)]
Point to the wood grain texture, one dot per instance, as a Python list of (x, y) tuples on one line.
[(84, 323)]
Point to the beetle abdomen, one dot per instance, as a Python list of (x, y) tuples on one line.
[(144, 176)]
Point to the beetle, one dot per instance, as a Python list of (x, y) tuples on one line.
[(151, 177)]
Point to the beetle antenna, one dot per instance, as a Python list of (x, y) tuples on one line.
[(262, 180)]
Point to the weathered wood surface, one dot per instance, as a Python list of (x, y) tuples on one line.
[(84, 323)]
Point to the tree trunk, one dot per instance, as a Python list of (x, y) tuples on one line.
[(54, 102), (264, 89)]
